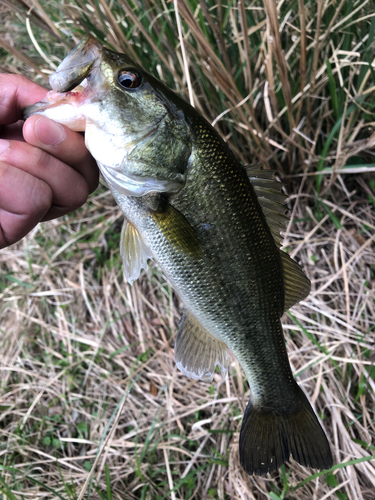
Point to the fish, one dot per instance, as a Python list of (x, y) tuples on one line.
[(212, 225)]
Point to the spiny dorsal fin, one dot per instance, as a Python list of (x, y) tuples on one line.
[(297, 285), (134, 251), (197, 352), (271, 199)]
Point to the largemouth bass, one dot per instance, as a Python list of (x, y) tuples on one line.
[(214, 229)]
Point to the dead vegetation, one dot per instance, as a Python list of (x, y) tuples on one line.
[(92, 405)]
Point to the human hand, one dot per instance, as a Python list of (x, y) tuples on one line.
[(45, 169)]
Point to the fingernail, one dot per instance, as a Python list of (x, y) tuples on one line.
[(48, 132), (4, 145)]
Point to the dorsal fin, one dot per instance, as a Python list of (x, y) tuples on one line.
[(296, 285), (271, 199), (197, 352)]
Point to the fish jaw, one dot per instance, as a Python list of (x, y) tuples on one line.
[(77, 65), (63, 103), (62, 108)]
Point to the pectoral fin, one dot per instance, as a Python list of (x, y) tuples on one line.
[(134, 252), (178, 231), (197, 352)]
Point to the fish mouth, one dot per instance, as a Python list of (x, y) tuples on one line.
[(54, 99), (68, 77), (77, 65)]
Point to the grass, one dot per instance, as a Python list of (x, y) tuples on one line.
[(92, 404)]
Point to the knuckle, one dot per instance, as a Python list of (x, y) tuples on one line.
[(80, 194), (40, 197), (43, 159)]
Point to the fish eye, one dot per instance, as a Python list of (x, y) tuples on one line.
[(128, 79)]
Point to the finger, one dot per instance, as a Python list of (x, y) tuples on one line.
[(24, 200), (69, 188), (13, 131), (17, 92), (64, 144)]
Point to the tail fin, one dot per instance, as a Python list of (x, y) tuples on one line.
[(268, 438)]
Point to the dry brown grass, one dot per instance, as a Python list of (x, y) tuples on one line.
[(62, 379), (89, 389)]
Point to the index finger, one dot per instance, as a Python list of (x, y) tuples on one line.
[(17, 92)]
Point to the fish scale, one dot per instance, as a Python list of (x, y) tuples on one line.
[(214, 229), (240, 254)]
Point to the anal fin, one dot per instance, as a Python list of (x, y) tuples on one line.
[(134, 251), (197, 352)]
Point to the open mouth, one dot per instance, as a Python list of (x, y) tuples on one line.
[(77, 65), (55, 99), (71, 77)]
